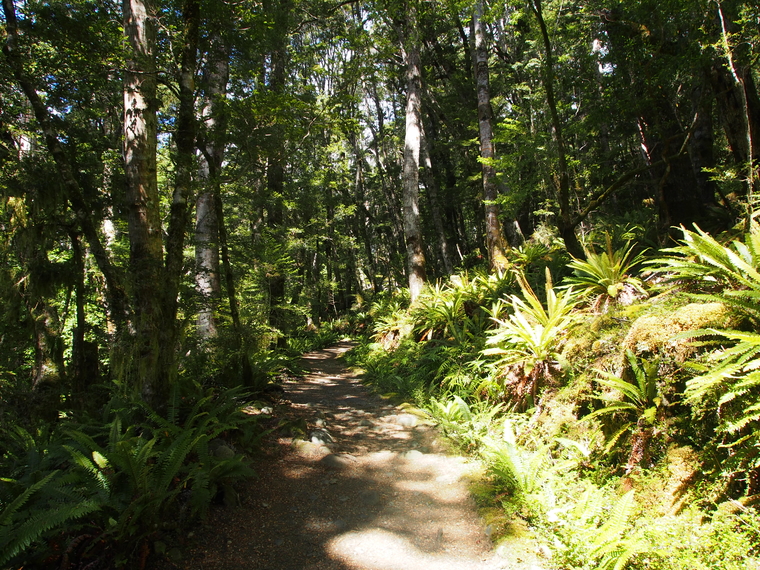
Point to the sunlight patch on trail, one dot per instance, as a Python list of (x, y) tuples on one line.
[(378, 549)]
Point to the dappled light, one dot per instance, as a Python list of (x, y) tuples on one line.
[(380, 284), (367, 487)]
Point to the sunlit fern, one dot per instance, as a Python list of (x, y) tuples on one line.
[(727, 273), (607, 277), (527, 343)]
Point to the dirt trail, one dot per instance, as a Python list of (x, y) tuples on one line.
[(359, 485)]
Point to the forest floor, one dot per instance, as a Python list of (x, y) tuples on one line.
[(351, 482)]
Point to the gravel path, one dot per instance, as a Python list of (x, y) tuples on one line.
[(357, 484)]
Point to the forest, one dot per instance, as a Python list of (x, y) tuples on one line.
[(536, 218)]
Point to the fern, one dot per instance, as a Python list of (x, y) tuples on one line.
[(607, 276), (20, 528), (733, 270), (733, 384), (521, 470), (610, 547)]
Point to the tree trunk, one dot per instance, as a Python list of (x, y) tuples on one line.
[(363, 217), (411, 174), (564, 223), (144, 221), (184, 138), (276, 169), (431, 184), (740, 103), (207, 270), (495, 242), (396, 231)]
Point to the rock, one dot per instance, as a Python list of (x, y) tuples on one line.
[(365, 422), (407, 420), (321, 436), (333, 461), (174, 554), (224, 452), (320, 422), (306, 448), (413, 454)]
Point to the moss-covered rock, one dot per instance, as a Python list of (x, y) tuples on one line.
[(654, 334)]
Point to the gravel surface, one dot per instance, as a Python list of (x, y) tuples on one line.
[(353, 483)]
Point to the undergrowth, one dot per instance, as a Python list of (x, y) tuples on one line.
[(616, 447), (105, 491)]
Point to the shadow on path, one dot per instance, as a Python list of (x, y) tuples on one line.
[(353, 483)]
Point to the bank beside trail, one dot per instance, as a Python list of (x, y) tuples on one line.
[(353, 483)]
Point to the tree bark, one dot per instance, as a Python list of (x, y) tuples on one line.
[(742, 105), (496, 244), (144, 221), (184, 138), (410, 173), (214, 118)]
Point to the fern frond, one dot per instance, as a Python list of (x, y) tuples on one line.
[(13, 507), (609, 534)]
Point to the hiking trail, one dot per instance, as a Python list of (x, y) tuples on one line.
[(357, 484)]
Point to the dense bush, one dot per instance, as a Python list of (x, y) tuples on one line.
[(587, 423), (108, 489)]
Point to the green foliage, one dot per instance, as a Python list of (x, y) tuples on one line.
[(728, 387), (732, 270), (637, 401), (727, 380), (527, 343), (606, 277), (462, 309), (121, 482), (520, 470), (466, 424), (36, 510)]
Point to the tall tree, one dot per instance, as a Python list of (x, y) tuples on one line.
[(412, 140), (496, 244), (565, 223), (144, 217), (207, 214)]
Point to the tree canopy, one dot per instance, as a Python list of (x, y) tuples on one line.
[(187, 184)]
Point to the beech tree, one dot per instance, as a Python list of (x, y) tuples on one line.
[(495, 242), (412, 141)]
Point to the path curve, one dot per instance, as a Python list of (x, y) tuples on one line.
[(357, 484)]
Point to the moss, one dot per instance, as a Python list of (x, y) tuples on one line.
[(654, 333)]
